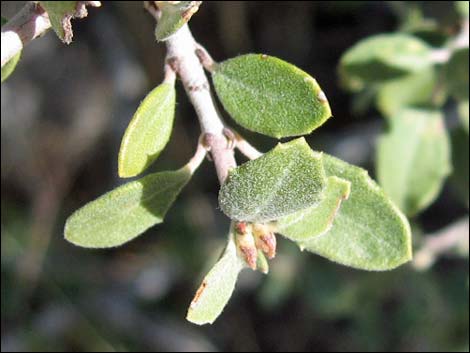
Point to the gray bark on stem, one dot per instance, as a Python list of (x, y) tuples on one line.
[(182, 57)]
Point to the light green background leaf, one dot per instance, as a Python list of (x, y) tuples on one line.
[(148, 132), (462, 8), (270, 96), (317, 219), (216, 288), (415, 89), (125, 212), (369, 232), (413, 158), (287, 179), (383, 57)]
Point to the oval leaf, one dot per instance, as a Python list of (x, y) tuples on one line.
[(125, 212), (174, 14), (318, 219), (383, 57), (456, 73), (416, 89), (413, 159), (270, 96), (148, 132), (287, 179), (369, 232), (216, 288)]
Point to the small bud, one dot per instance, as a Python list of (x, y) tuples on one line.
[(241, 227), (265, 239), (246, 244)]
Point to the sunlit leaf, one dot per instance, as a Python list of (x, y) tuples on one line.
[(318, 219), (369, 232), (413, 158), (216, 288), (125, 212), (148, 132), (287, 179), (174, 14), (270, 96), (383, 57)]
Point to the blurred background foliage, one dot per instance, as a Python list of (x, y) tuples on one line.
[(64, 111)]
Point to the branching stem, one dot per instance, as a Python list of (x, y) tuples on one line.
[(182, 58)]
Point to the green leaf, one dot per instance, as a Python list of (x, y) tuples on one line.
[(127, 211), (415, 89), (148, 132), (174, 16), (463, 114), (369, 232), (270, 96), (456, 72), (383, 57), (413, 158), (316, 220), (462, 8), (287, 179), (9, 67), (60, 13), (216, 288)]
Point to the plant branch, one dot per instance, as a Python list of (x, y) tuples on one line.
[(452, 237), (29, 23), (182, 57), (246, 148)]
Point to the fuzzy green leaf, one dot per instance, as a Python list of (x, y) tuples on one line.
[(287, 179), (413, 159), (416, 89), (60, 13), (174, 16), (148, 132), (216, 288), (383, 57), (456, 72), (369, 232), (9, 67), (125, 212), (316, 220), (270, 96)]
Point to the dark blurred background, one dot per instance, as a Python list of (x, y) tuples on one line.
[(64, 111)]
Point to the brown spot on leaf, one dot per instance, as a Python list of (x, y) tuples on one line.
[(198, 294)]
